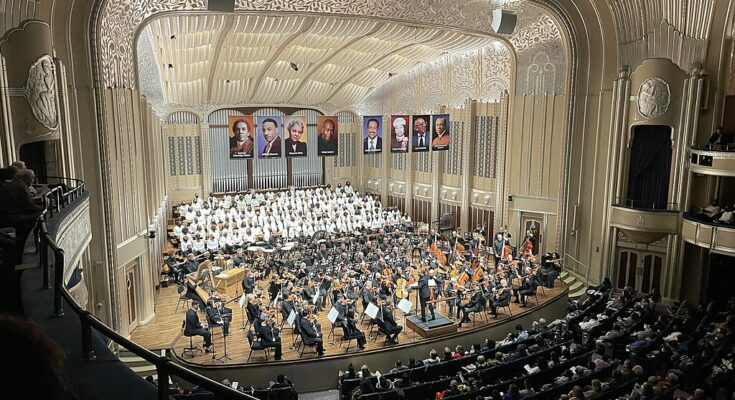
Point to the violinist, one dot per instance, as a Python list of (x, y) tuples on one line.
[(426, 293), (309, 292), (528, 287), (248, 282), (253, 307), (288, 305), (311, 331), (268, 334), (345, 320), (216, 318), (501, 295), (368, 294), (475, 304), (387, 323)]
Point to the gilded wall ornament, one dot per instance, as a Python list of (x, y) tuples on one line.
[(41, 92), (654, 96)]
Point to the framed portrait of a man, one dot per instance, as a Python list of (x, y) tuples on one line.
[(372, 133), (269, 138), (327, 131), (420, 137), (242, 142), (294, 136), (440, 132)]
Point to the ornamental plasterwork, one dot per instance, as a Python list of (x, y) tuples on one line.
[(464, 72), (495, 66), (119, 19), (654, 97), (40, 92), (539, 36)]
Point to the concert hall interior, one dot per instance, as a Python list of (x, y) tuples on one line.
[(387, 199)]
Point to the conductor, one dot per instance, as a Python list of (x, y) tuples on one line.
[(424, 296)]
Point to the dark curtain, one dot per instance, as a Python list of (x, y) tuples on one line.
[(650, 165), (34, 155)]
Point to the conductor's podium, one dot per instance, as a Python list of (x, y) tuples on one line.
[(228, 282)]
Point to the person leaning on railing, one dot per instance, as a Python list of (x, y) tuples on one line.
[(17, 209)]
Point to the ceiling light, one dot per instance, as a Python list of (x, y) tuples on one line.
[(391, 74), (170, 66), (227, 81), (173, 37), (294, 66)]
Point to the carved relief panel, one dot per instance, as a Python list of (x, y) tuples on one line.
[(29, 82)]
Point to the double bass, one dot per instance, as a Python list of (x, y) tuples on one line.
[(438, 255)]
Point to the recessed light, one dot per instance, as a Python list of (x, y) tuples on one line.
[(171, 66), (173, 37)]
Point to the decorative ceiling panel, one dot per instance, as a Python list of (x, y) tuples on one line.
[(290, 60)]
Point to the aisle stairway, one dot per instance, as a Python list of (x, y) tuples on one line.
[(576, 287), (139, 365)]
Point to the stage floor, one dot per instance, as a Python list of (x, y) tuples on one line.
[(164, 331)]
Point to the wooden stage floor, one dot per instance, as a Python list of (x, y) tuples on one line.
[(164, 331)]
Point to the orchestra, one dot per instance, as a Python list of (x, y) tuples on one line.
[(383, 265)]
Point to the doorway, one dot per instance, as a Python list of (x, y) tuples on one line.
[(640, 270), (132, 295), (649, 167)]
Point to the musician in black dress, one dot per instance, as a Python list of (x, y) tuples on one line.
[(268, 334), (248, 282)]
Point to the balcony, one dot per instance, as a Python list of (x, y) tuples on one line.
[(716, 160), (644, 225), (710, 235)]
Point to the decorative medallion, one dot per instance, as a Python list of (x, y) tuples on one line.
[(653, 98), (41, 92)]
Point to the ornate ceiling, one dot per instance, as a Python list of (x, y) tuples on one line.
[(305, 60), (344, 49)]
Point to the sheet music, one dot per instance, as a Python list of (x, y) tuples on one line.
[(372, 310), (234, 385), (333, 314), (291, 318), (242, 301), (405, 305), (432, 283), (315, 298)]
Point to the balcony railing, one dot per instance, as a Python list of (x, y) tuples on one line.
[(638, 205), (714, 147), (57, 198)]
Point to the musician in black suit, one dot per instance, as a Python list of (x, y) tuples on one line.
[(502, 297), (287, 305), (214, 316), (238, 259), (345, 320), (268, 334), (194, 327), (191, 265), (252, 308), (474, 305), (424, 296), (367, 294), (388, 324), (309, 292), (311, 331), (248, 283), (528, 286)]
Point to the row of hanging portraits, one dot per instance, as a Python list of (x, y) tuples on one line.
[(276, 136)]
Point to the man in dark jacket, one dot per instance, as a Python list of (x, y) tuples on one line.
[(193, 327)]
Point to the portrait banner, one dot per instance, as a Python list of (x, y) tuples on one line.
[(372, 134), (420, 138), (328, 140), (242, 142), (269, 138), (294, 136), (440, 132), (399, 133)]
